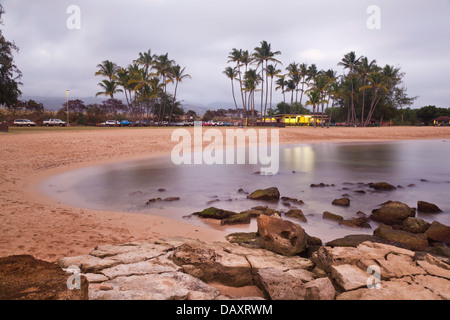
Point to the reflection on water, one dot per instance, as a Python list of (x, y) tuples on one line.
[(346, 168)]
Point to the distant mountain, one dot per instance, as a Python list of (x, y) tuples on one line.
[(55, 103)]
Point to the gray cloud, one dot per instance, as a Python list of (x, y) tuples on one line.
[(199, 34)]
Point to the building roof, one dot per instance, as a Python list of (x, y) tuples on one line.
[(442, 118)]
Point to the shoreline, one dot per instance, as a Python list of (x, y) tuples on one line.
[(32, 224)]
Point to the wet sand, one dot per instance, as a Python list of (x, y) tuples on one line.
[(33, 224)]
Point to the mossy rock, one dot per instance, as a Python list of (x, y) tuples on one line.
[(265, 194), (245, 239), (214, 213), (240, 218)]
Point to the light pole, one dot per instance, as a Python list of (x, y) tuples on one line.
[(67, 94)]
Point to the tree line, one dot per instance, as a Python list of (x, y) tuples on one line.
[(365, 90), (144, 83)]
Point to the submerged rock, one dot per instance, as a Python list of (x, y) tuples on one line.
[(214, 213), (296, 214), (332, 216), (359, 222), (384, 186), (265, 194), (392, 212), (343, 202), (240, 218), (426, 207)]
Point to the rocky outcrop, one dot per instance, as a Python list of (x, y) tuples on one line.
[(269, 194), (296, 214), (180, 268), (26, 278), (438, 232), (392, 212), (281, 236), (415, 225)]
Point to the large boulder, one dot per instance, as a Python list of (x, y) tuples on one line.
[(281, 236), (438, 232), (26, 278), (413, 241), (392, 212), (426, 207), (265, 194)]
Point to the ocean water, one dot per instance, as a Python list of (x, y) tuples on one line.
[(420, 169)]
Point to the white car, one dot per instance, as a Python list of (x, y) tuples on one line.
[(110, 123), (24, 122), (54, 122)]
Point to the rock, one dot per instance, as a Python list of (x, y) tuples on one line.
[(240, 190), (172, 199), (213, 263), (247, 239), (266, 210), (215, 213), (332, 216), (438, 232), (411, 241), (241, 218), (23, 277), (279, 285), (384, 186), (320, 289), (344, 202), (265, 194), (349, 277), (281, 236), (356, 223), (319, 185), (427, 207), (392, 212), (436, 285), (161, 190), (293, 200), (415, 225), (153, 200), (296, 214), (397, 266), (391, 290), (354, 240), (163, 286)]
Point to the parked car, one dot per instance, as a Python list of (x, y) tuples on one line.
[(144, 123), (110, 123), (24, 123), (54, 122), (125, 123)]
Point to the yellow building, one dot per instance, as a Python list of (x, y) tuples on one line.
[(295, 119)]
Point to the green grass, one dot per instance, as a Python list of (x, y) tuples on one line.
[(38, 129)]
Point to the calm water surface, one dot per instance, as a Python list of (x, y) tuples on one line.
[(127, 186)]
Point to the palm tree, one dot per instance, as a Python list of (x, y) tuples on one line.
[(145, 59), (251, 81), (109, 89), (303, 74), (314, 100), (281, 84), (178, 75), (378, 82), (350, 62), (272, 72), (107, 69), (294, 74), (321, 86), (232, 73), (262, 56), (364, 69), (163, 66)]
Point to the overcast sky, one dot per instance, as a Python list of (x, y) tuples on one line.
[(199, 34)]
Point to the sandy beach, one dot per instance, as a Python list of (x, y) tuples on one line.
[(33, 224)]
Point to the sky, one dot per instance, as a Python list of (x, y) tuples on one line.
[(199, 34)]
